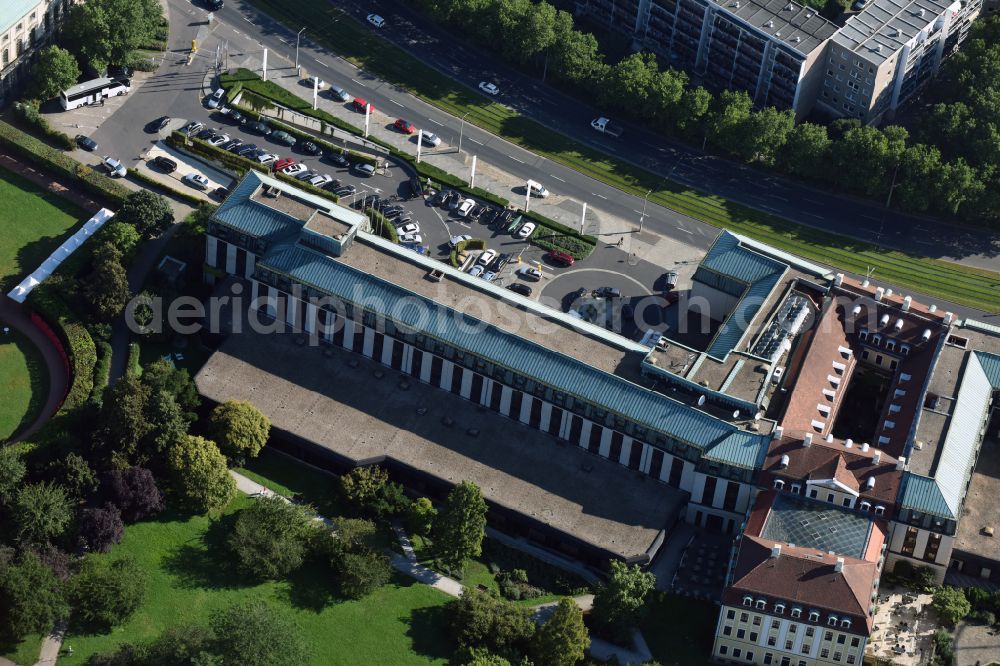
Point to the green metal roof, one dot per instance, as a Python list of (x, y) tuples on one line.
[(922, 493), (991, 366), (525, 357), (12, 11)]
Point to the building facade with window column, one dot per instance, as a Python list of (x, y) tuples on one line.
[(25, 26)]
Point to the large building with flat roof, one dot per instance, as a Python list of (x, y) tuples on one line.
[(25, 26), (831, 426)]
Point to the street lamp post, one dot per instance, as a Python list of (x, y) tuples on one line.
[(642, 217), (297, 36), (461, 132)]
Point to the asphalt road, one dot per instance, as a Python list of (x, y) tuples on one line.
[(758, 189)]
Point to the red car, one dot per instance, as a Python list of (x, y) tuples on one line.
[(404, 126), (360, 104), (560, 258), (282, 163)]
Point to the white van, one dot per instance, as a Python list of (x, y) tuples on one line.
[(536, 189)]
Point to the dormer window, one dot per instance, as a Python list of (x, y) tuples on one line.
[(863, 334), (845, 624), (747, 600), (832, 620), (796, 612), (866, 506), (814, 616), (797, 488), (779, 484), (879, 510), (779, 608), (761, 604)]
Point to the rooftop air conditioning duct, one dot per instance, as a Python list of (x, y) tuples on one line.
[(866, 283)]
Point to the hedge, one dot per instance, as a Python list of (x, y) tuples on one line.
[(76, 340), (572, 246), (461, 246), (102, 372), (382, 226), (50, 159), (133, 368), (165, 189), (28, 112)]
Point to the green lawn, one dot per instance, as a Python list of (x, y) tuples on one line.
[(25, 383), (291, 478), (190, 575), (360, 45), (33, 222)]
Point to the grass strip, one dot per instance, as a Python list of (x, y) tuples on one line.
[(358, 45)]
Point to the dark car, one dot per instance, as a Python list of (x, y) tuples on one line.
[(416, 189), (232, 145), (86, 143), (501, 261), (247, 149), (164, 164), (221, 192), (439, 198), (607, 292), (206, 134), (559, 258), (258, 128), (120, 72), (215, 5), (308, 147), (477, 212), (338, 159), (157, 125), (519, 288), (236, 117)]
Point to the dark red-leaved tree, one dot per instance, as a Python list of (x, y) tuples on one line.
[(101, 528), (134, 492)]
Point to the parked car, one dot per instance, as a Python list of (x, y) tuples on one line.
[(607, 292), (408, 228), (164, 164), (157, 125), (489, 276), (193, 127), (364, 169), (502, 261), (220, 192), (234, 116), (215, 99), (519, 288), (339, 94), (115, 168), (559, 258), (859, 5), (283, 137), (308, 147), (454, 201), (337, 159), (464, 207), (86, 142), (439, 198), (345, 190), (266, 158), (536, 189), (476, 212), (215, 5), (206, 134), (487, 257), (376, 20), (283, 163), (293, 169), (529, 273), (411, 238), (320, 180), (416, 188), (489, 88), (120, 72), (404, 126), (476, 270), (526, 230), (455, 240), (196, 180), (306, 175), (233, 145), (247, 149), (430, 139), (359, 105), (259, 127), (219, 139)]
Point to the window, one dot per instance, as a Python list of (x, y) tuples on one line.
[(775, 624), (879, 510), (836, 656), (779, 608), (850, 659), (847, 501), (788, 645), (797, 488), (828, 636), (6, 57), (20, 47), (814, 616), (753, 636), (744, 617), (749, 656), (736, 653), (772, 641), (731, 614), (824, 654), (756, 620), (840, 639), (768, 657), (832, 620), (778, 484), (723, 649), (845, 624), (747, 600), (792, 628), (727, 630), (855, 642), (809, 632), (796, 612), (741, 633), (829, 497), (813, 493), (761, 604)]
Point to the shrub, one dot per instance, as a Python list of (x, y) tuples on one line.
[(270, 538), (200, 476), (240, 429), (420, 519), (76, 341), (134, 492), (371, 492), (254, 633), (32, 598), (571, 245), (156, 185), (105, 594), (101, 528), (951, 605), (382, 225), (28, 112)]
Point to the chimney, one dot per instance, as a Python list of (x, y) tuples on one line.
[(926, 335), (879, 293), (899, 324), (856, 310), (849, 442), (778, 432), (948, 316), (877, 458), (888, 293), (883, 320), (870, 483), (807, 441), (901, 463), (865, 447), (784, 461), (776, 550), (839, 566), (829, 438), (906, 303), (866, 283), (932, 308), (838, 280)]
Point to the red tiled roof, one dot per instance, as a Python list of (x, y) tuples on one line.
[(807, 577)]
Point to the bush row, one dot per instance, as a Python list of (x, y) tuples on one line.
[(102, 372), (382, 226), (572, 246), (460, 247), (60, 164), (76, 340), (164, 189), (27, 111)]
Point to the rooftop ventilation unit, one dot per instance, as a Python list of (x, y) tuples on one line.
[(906, 303), (807, 441), (829, 439), (901, 463), (922, 13), (856, 310), (797, 39), (769, 24), (883, 320), (932, 308), (879, 293), (898, 33), (877, 458), (701, 400), (844, 351), (829, 393), (833, 379), (809, 16), (776, 550), (777, 34), (865, 447), (736, 4), (849, 443), (784, 461), (926, 335), (888, 293), (789, 6), (818, 425), (899, 324), (947, 318), (870, 483), (878, 48), (839, 566), (838, 280), (823, 409)]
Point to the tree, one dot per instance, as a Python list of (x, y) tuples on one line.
[(201, 478), (168, 423), (861, 160), (149, 213), (31, 597), (617, 602), (371, 491), (665, 94), (805, 152), (105, 594), (951, 605), (12, 470), (727, 121), (574, 56), (360, 568), (122, 236), (55, 71), (919, 170), (42, 511), (180, 645), (240, 429), (461, 525), (631, 80), (420, 520), (133, 491), (123, 419), (535, 33), (270, 538), (253, 633), (107, 31), (106, 288), (563, 639), (74, 474), (763, 133), (478, 620), (693, 109), (163, 376), (101, 528)]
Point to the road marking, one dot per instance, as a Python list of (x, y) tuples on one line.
[(358, 82), (481, 143), (435, 122), (557, 178), (601, 270), (510, 156), (283, 41), (323, 64), (685, 230), (248, 21), (396, 103), (600, 195), (818, 217), (637, 211)]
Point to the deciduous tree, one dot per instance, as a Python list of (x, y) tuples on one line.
[(106, 288), (478, 620), (951, 605), (254, 633), (149, 213), (270, 538), (42, 511), (101, 528), (805, 152), (12, 470), (617, 602), (460, 527), (105, 594), (562, 639), (200, 475), (421, 517), (55, 71), (134, 492), (31, 597), (240, 429)]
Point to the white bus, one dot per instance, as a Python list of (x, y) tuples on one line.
[(92, 92)]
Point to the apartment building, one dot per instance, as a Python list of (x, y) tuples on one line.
[(785, 55), (25, 25)]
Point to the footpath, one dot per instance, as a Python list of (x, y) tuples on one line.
[(406, 562)]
